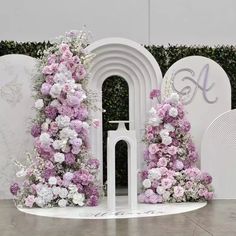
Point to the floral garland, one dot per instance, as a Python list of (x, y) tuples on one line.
[(63, 173), (170, 156)]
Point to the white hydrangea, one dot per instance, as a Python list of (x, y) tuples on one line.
[(55, 90), (45, 139), (147, 183), (78, 199), (59, 157), (68, 133), (63, 121), (155, 121), (40, 202), (39, 104), (63, 193), (68, 176), (169, 127), (52, 180), (173, 112), (166, 140), (60, 78), (62, 203), (154, 173), (45, 193), (55, 103), (58, 144)]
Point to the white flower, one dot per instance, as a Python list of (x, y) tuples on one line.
[(63, 193), (21, 173), (45, 193), (62, 203), (59, 157), (152, 111), (55, 90), (169, 127), (160, 190), (39, 104), (166, 195), (63, 121), (173, 112), (52, 180), (39, 201), (164, 133), (59, 144), (60, 78), (68, 176), (68, 133), (44, 127), (147, 183), (155, 121), (55, 103), (174, 98), (167, 140), (45, 139), (85, 125), (154, 173), (56, 190), (78, 199)]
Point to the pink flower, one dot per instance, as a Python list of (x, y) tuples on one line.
[(154, 199), (162, 162), (141, 197), (155, 93), (45, 88), (76, 125), (29, 201), (153, 148), (73, 101), (178, 165), (178, 191), (172, 150), (166, 183), (64, 47), (149, 192)]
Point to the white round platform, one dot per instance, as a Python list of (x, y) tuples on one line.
[(122, 211)]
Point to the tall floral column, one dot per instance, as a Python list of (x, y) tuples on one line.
[(171, 174), (62, 172)]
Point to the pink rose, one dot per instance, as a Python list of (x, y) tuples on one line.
[(45, 88), (172, 150), (29, 201), (153, 148)]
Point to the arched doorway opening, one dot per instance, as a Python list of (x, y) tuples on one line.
[(115, 102)]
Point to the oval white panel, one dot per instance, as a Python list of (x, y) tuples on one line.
[(218, 155), (205, 89), (16, 102)]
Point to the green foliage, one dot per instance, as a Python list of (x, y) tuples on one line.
[(115, 89)]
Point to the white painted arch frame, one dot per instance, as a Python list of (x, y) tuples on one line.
[(131, 61)]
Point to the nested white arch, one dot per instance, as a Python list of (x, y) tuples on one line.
[(131, 61)]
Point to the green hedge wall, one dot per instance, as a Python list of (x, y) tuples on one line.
[(115, 92)]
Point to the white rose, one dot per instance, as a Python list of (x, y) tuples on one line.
[(63, 121), (59, 157), (167, 140), (85, 125), (155, 121), (166, 195), (169, 127), (173, 112), (45, 139), (160, 190), (63, 193), (78, 199), (55, 103), (174, 98), (39, 201), (68, 133), (60, 78), (59, 144), (39, 104), (44, 127), (56, 190), (55, 90), (154, 173), (164, 133), (147, 183), (52, 180), (62, 203)]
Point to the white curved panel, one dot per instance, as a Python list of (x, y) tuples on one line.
[(207, 89), (130, 60), (16, 102), (218, 155)]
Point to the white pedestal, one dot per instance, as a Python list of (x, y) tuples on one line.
[(113, 137)]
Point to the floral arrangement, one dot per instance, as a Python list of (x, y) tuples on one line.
[(171, 174), (62, 172)]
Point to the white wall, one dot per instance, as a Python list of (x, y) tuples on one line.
[(209, 22)]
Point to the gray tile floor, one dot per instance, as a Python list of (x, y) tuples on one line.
[(218, 218)]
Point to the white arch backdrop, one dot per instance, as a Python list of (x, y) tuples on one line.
[(131, 61)]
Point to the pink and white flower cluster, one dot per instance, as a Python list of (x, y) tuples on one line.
[(170, 156), (63, 173)]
